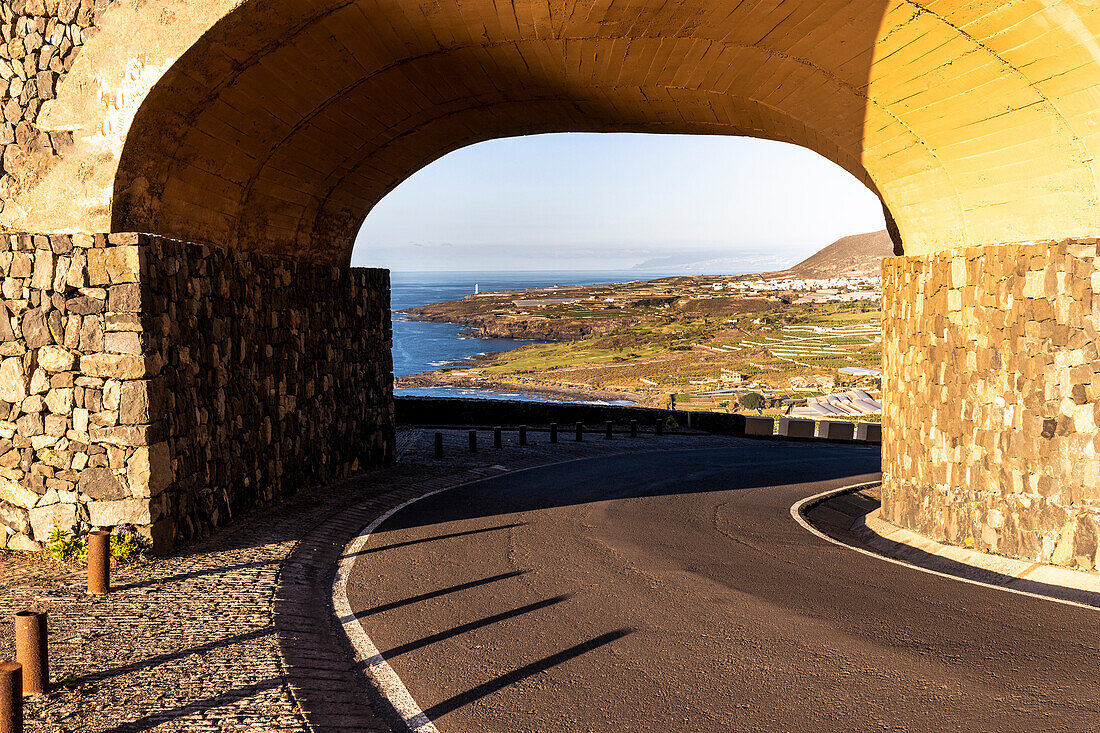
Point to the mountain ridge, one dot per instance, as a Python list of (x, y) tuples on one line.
[(857, 255)]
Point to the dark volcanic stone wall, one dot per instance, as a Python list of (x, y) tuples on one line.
[(278, 375), (991, 399), (171, 386)]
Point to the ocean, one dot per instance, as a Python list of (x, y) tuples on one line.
[(420, 347)]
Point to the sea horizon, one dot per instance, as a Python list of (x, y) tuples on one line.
[(635, 274)]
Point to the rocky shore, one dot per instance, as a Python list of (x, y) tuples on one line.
[(519, 384), (510, 326)]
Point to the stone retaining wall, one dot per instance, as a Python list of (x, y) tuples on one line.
[(991, 399), (170, 385)]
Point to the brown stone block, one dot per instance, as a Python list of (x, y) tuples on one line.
[(123, 342), (113, 265), (35, 329), (125, 511), (126, 298), (136, 404), (101, 484), (149, 470), (85, 305), (122, 435), (118, 366)]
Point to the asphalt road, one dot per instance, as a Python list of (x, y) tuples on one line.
[(673, 592)]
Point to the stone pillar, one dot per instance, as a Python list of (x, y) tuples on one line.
[(991, 383), (168, 385)]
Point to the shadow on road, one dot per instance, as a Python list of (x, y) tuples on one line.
[(433, 594), (452, 535), (463, 628), (754, 464), (529, 670)]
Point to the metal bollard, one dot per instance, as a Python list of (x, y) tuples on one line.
[(523, 435), (609, 429), (553, 432), (438, 445), (32, 651), (633, 428), (473, 441), (99, 562), (659, 427), (580, 432), (11, 697), (497, 440)]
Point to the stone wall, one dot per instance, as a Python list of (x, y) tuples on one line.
[(991, 386), (170, 385)]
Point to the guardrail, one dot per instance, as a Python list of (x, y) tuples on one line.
[(518, 415)]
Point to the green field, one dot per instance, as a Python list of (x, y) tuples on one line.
[(666, 355)]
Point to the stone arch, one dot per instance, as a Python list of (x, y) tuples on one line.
[(302, 182), (274, 125)]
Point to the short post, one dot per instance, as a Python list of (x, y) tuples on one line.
[(633, 428), (438, 446), (659, 427), (553, 432), (31, 651), (473, 441), (11, 697), (523, 435), (609, 429), (580, 432), (99, 562), (497, 441)]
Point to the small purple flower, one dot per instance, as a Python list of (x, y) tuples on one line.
[(125, 529)]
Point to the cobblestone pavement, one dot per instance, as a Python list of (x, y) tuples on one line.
[(237, 632)]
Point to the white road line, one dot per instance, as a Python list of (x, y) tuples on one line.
[(384, 676), (796, 512)]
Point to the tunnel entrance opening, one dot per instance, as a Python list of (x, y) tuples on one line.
[(595, 224)]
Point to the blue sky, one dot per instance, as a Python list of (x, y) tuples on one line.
[(584, 201)]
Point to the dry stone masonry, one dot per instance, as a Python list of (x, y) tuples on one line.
[(991, 384), (169, 385)]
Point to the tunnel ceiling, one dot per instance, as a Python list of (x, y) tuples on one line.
[(279, 127)]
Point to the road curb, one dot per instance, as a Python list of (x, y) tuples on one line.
[(404, 713), (904, 547)]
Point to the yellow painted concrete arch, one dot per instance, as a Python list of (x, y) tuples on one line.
[(276, 125)]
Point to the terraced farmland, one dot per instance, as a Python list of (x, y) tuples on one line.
[(666, 355), (824, 347)]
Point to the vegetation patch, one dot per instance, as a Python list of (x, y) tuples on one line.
[(71, 546)]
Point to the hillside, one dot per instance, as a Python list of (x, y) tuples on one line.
[(859, 254)]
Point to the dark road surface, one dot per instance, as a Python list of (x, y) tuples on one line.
[(674, 592)]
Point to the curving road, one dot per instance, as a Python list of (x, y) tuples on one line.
[(674, 592)]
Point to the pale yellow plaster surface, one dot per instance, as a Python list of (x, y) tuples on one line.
[(139, 40)]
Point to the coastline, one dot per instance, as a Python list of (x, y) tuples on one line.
[(553, 392), (647, 342), (498, 327)]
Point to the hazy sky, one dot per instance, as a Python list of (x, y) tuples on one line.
[(584, 201)]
